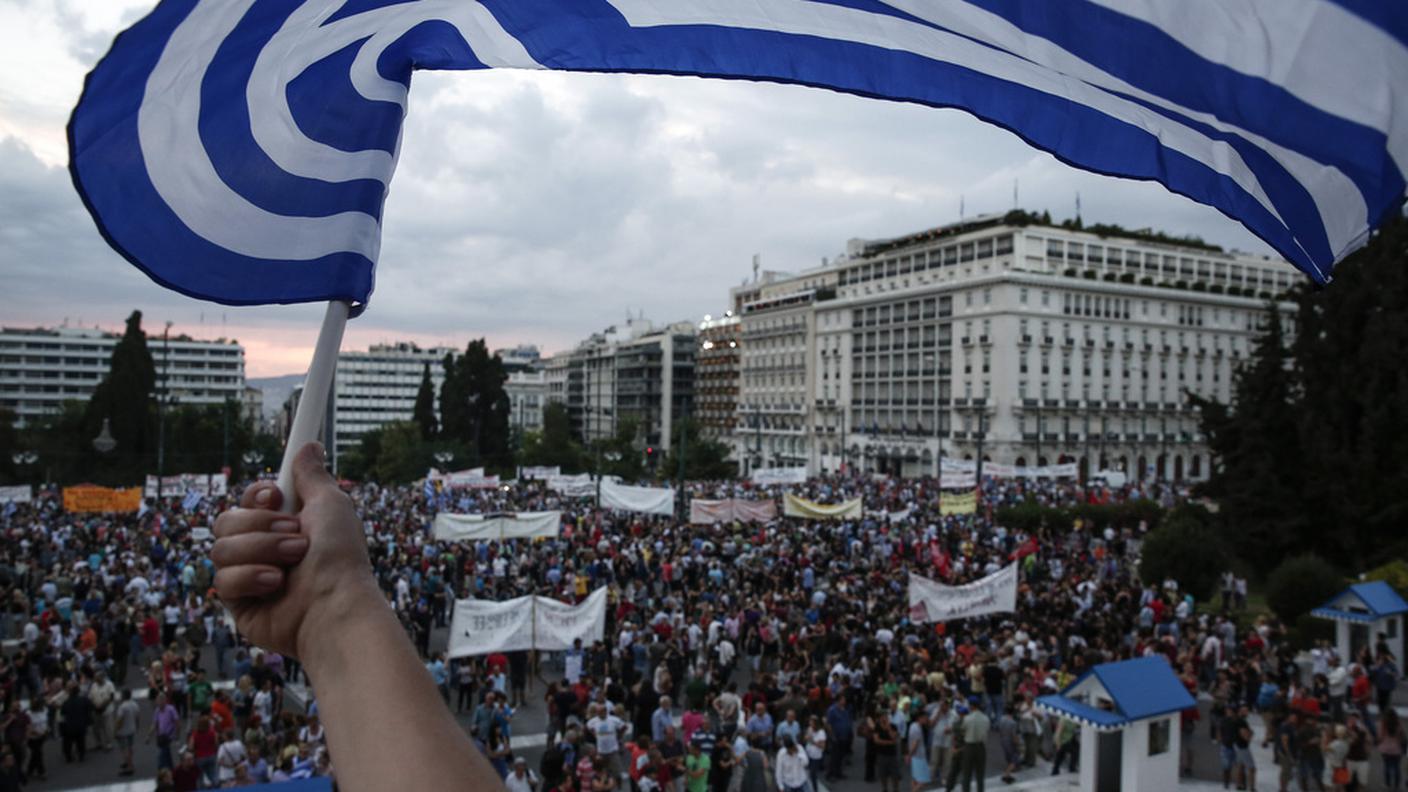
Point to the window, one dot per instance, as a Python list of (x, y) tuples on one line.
[(1158, 736)]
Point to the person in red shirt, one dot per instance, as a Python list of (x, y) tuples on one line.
[(221, 713), (203, 744), (151, 634)]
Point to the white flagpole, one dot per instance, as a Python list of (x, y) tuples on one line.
[(312, 406)]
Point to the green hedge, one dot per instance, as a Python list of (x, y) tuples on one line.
[(1031, 517)]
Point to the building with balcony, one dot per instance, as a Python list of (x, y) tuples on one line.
[(716, 373), (1004, 339), (636, 370)]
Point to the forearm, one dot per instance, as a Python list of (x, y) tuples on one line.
[(387, 727)]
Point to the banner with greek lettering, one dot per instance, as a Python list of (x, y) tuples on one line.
[(962, 503), (793, 506), (789, 475), (704, 512), (20, 493), (644, 500), (559, 624), (480, 627), (520, 525), (539, 472), (931, 601)]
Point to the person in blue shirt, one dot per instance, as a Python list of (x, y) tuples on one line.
[(441, 675), (842, 726), (760, 725)]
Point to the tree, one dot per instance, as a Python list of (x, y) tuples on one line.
[(1300, 585), (125, 399), (474, 407), (1254, 440), (424, 414), (1186, 547), (402, 455), (703, 458), (554, 445), (1310, 450), (9, 444)]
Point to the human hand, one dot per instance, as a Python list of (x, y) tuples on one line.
[(284, 576)]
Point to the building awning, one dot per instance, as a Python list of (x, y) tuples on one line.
[(1084, 714)]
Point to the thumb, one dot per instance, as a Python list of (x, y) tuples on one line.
[(310, 472)]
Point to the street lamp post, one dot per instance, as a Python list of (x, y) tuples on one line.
[(442, 458), (252, 460)]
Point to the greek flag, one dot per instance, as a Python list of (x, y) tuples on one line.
[(241, 150)]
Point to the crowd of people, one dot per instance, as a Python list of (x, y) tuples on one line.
[(736, 658)]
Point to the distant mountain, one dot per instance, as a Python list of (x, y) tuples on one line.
[(276, 391)]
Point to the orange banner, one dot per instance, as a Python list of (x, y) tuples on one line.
[(90, 499)]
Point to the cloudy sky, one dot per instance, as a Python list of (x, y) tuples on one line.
[(536, 208)]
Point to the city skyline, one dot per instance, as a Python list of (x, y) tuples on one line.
[(540, 207)]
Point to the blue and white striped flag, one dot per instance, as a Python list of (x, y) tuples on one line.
[(241, 150), (191, 501)]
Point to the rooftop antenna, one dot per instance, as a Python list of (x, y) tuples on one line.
[(1015, 182), (960, 208), (1077, 206), (757, 261)]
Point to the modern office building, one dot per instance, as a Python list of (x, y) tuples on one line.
[(41, 368), (1000, 338), (636, 370), (379, 386)]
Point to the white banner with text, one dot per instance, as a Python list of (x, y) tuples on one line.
[(932, 601)]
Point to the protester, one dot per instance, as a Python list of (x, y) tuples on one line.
[(716, 633)]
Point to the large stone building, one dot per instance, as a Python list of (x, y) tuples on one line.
[(526, 388), (1018, 342), (41, 368), (631, 371)]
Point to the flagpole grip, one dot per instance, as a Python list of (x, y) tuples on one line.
[(312, 405)]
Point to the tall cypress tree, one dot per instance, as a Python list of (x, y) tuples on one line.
[(125, 397), (424, 414)]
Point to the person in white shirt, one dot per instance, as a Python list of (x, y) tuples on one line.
[(521, 779), (791, 767), (607, 728), (230, 755)]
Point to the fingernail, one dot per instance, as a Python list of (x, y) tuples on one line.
[(284, 526), (320, 451), (293, 548), (268, 579), (262, 497)]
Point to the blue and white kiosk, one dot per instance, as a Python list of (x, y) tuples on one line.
[(1362, 613), (1128, 713)]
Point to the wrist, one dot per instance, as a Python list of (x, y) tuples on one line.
[(331, 619)]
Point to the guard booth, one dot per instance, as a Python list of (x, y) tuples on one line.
[(1362, 613), (1128, 715)]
